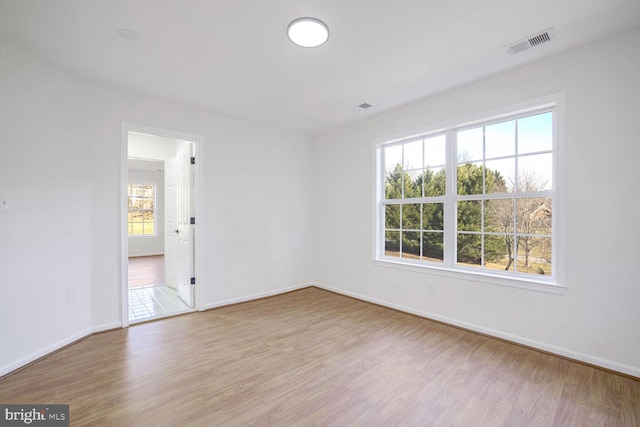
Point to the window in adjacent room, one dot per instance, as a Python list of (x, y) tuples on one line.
[(141, 214)]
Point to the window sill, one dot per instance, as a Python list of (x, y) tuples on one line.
[(520, 282), (141, 236)]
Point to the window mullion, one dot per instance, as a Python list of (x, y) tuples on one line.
[(450, 203)]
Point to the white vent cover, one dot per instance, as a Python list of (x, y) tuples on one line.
[(538, 39)]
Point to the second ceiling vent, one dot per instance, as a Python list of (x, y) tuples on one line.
[(538, 39)]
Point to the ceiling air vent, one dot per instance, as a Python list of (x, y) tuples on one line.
[(360, 107), (531, 41)]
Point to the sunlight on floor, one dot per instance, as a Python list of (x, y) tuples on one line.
[(151, 302)]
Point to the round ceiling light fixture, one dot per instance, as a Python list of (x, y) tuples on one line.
[(308, 32)]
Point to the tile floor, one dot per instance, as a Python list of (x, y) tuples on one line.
[(152, 302)]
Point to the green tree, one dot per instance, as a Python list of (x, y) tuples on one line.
[(471, 180)]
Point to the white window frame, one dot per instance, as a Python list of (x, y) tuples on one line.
[(155, 217), (552, 284)]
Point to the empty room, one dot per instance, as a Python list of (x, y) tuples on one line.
[(299, 213)]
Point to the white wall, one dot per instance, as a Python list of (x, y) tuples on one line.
[(598, 319), (60, 164), (144, 146), (45, 240), (149, 245), (251, 171)]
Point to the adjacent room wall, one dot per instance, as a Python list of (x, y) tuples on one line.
[(149, 245), (60, 165), (598, 319)]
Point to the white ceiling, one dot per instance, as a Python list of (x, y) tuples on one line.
[(233, 56)]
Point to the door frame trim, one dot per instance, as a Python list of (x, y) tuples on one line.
[(198, 249)]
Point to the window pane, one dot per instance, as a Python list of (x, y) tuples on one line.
[(392, 216), (392, 243), (392, 158), (535, 172), (469, 145), (412, 184), (411, 244), (433, 216), (500, 139), (469, 179), (435, 151), (149, 228), (534, 255), (498, 252), (535, 133), (533, 215), (411, 217), (435, 182), (413, 155), (134, 202), (433, 246), (393, 183), (500, 175), (498, 216), (136, 228), (469, 215), (469, 250)]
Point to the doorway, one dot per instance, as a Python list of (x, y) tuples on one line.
[(159, 184)]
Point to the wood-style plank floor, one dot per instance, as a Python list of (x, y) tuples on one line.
[(312, 357), (146, 270)]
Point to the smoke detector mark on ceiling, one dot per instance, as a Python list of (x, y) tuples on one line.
[(129, 34), (538, 39)]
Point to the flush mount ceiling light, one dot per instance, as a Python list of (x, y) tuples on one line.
[(308, 32)]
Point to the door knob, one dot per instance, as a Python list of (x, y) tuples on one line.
[(177, 231)]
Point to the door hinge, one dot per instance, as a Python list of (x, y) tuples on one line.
[(193, 160), (193, 280), (193, 220)]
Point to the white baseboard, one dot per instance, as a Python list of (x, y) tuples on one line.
[(256, 296), (143, 254), (106, 327), (560, 351), (43, 352)]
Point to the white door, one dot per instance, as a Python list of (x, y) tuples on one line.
[(179, 230)]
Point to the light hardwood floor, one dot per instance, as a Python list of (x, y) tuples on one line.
[(146, 270), (312, 357)]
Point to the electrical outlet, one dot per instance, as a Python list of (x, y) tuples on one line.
[(248, 270), (71, 295), (4, 203)]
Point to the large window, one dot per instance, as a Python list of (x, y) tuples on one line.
[(478, 197), (141, 215)]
